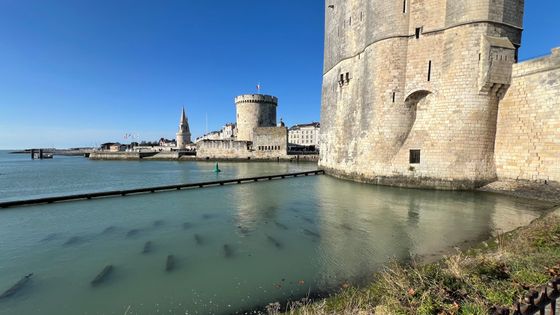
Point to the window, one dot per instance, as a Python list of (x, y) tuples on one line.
[(347, 77), (429, 70), (404, 6), (394, 95), (418, 31), (414, 156)]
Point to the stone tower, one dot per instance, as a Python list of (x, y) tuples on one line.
[(184, 133), (411, 89), (254, 110)]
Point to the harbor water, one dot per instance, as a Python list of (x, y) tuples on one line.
[(235, 248)]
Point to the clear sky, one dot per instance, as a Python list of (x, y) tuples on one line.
[(83, 72)]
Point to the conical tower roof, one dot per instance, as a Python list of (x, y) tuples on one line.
[(184, 122)]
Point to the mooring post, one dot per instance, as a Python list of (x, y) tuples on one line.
[(33, 154)]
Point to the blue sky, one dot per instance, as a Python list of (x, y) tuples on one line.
[(79, 73)]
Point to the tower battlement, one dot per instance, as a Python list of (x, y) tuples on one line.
[(256, 98)]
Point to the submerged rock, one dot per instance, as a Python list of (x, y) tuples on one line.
[(16, 287), (228, 251), (74, 240), (102, 276), (147, 247), (311, 233), (280, 225), (170, 263), (274, 241), (133, 233), (50, 237), (198, 239), (158, 223), (187, 225)]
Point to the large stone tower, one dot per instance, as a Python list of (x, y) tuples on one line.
[(184, 133), (411, 89), (254, 110)]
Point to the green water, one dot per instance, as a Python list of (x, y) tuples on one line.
[(286, 238)]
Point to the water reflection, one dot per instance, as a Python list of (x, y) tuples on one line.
[(231, 248)]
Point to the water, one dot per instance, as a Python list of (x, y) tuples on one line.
[(21, 177), (284, 239)]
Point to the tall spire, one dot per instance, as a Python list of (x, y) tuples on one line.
[(184, 122), (184, 134)]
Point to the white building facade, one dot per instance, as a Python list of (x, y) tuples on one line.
[(304, 134)]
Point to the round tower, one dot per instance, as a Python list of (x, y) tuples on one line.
[(254, 110)]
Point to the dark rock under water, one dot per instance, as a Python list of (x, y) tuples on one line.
[(170, 263), (132, 233), (147, 247), (16, 287), (102, 276), (280, 225), (50, 237), (274, 241), (74, 240), (228, 251), (198, 239), (187, 225), (158, 223), (311, 233)]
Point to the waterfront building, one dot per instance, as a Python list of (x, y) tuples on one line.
[(255, 135), (430, 94), (304, 134), (184, 133), (229, 131)]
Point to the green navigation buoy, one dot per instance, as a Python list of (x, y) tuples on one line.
[(217, 168)]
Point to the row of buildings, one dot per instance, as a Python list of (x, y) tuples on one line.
[(255, 134)]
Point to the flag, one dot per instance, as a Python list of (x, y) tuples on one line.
[(258, 87)]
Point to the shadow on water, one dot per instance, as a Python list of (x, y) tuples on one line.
[(187, 225)]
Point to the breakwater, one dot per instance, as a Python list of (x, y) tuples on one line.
[(126, 192)]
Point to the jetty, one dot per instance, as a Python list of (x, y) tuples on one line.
[(116, 193)]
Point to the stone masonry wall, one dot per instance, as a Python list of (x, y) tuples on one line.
[(528, 131), (407, 75)]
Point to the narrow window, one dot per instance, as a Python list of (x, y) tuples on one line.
[(342, 78), (414, 156), (347, 76), (429, 70), (418, 31), (361, 16), (350, 21), (394, 95), (404, 6)]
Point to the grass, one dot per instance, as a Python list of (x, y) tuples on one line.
[(496, 273)]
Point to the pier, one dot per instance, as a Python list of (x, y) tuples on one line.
[(115, 193)]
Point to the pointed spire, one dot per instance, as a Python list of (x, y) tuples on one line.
[(183, 117)]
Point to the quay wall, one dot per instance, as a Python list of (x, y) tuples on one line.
[(528, 126)]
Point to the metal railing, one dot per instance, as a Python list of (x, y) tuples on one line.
[(536, 301)]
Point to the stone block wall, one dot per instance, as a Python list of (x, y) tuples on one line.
[(528, 126), (270, 142), (405, 75), (221, 149)]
